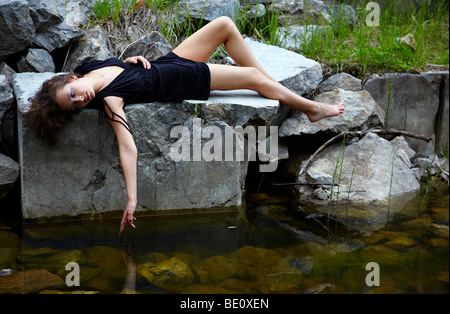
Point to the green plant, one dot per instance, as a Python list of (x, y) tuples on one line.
[(389, 101), (348, 193), (390, 185), (338, 165), (406, 110)]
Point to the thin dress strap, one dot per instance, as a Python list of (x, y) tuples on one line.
[(123, 122)]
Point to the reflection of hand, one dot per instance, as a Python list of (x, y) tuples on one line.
[(137, 59), (127, 254)]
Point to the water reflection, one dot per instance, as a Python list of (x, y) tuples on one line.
[(272, 247), (128, 257)]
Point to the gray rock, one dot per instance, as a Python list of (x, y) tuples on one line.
[(299, 74), (257, 11), (293, 12), (400, 142), (7, 71), (9, 172), (43, 17), (6, 96), (36, 60), (341, 80), (150, 46), (371, 157), (74, 12), (440, 81), (341, 14), (82, 174), (364, 180), (93, 46), (208, 10), (297, 37), (6, 100), (57, 36), (361, 112), (16, 26), (429, 165), (411, 104)]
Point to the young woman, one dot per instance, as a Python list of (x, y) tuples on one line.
[(182, 74)]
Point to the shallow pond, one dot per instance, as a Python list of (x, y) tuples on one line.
[(270, 247)]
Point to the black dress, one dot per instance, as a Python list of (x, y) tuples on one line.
[(170, 78)]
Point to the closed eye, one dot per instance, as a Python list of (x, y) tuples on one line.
[(71, 96)]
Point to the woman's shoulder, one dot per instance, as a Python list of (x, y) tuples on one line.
[(92, 65)]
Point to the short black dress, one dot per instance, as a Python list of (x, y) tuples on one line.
[(170, 78)]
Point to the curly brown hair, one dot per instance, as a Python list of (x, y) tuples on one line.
[(44, 117)]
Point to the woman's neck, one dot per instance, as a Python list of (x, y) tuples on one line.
[(102, 77), (95, 80)]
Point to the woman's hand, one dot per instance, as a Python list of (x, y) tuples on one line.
[(137, 59), (128, 216)]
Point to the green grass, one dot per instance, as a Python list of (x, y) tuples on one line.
[(359, 49), (363, 48)]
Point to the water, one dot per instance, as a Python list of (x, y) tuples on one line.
[(271, 247)]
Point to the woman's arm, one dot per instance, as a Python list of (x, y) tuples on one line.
[(128, 158)]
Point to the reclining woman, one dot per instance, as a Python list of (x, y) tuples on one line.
[(111, 84)]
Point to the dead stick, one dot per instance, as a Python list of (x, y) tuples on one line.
[(303, 183), (359, 134)]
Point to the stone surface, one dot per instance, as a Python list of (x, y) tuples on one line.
[(411, 104), (208, 10), (16, 26), (341, 80), (299, 74), (33, 281), (361, 112), (151, 46), (440, 81), (9, 172), (6, 98), (93, 46), (36, 60), (43, 16), (171, 274), (368, 181), (82, 174), (296, 37), (371, 158), (57, 36)]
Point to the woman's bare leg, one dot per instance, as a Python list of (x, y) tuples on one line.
[(201, 45), (250, 75), (225, 77)]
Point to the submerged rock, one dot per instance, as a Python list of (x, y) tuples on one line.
[(171, 274), (32, 281)]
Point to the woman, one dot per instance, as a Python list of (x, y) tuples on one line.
[(182, 74)]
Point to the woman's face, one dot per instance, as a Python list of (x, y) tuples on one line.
[(74, 95)]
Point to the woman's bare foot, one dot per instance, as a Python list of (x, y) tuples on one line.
[(325, 111)]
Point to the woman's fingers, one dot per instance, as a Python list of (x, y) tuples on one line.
[(137, 59)]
